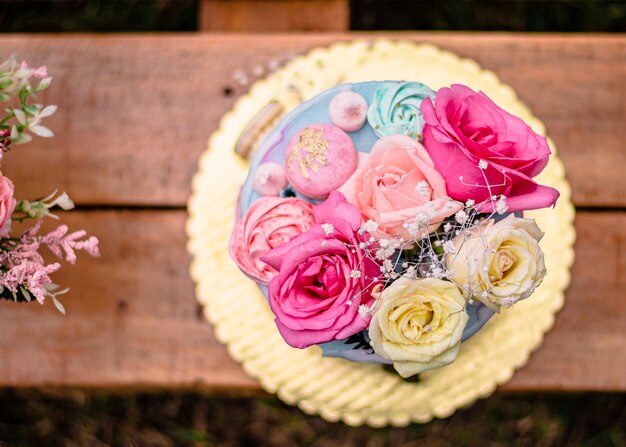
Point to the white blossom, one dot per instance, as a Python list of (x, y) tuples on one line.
[(437, 273), (328, 228), (422, 219), (365, 310), (448, 247), (411, 272), (422, 188), (501, 205), (370, 226), (461, 217), (355, 274)]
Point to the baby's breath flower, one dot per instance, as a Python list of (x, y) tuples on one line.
[(370, 226), (448, 247), (461, 217), (437, 273), (422, 219), (365, 310), (355, 274), (328, 228), (411, 272), (501, 205), (422, 188)]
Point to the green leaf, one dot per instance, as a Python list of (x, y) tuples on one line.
[(42, 131), (26, 293), (58, 305), (32, 108), (20, 116), (44, 84), (24, 93)]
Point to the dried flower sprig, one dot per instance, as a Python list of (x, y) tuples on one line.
[(24, 274)]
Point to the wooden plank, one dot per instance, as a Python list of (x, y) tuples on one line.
[(274, 15), (132, 316), (138, 110), (133, 320)]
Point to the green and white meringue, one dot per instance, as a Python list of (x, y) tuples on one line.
[(395, 109)]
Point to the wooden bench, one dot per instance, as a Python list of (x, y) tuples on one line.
[(135, 114)]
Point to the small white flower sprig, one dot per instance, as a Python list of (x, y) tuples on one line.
[(417, 253)]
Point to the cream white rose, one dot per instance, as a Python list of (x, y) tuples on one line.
[(498, 263), (418, 324)]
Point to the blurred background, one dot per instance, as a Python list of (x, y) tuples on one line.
[(169, 418), (452, 15)]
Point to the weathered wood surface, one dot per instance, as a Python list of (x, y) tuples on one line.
[(274, 15), (133, 320), (135, 114), (138, 110)]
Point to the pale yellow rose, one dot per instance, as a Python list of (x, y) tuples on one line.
[(418, 324), (498, 263)]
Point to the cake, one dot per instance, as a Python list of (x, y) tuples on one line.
[(384, 223)]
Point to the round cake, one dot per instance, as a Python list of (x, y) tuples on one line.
[(383, 221)]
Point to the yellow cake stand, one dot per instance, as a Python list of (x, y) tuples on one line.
[(334, 388)]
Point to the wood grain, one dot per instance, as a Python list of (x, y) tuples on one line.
[(136, 110), (134, 322), (274, 15)]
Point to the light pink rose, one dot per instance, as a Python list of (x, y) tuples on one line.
[(323, 278), (397, 183), (269, 223), (7, 205), (465, 127)]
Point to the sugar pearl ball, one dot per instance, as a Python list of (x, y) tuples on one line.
[(270, 179), (348, 111)]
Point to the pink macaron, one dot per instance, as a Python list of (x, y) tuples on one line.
[(348, 111), (319, 159)]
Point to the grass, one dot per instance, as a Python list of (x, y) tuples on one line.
[(78, 418)]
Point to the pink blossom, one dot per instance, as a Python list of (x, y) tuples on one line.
[(269, 223), (323, 278), (483, 151), (7, 205), (386, 188), (25, 266)]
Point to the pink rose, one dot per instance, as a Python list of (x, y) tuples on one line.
[(269, 223), (7, 205), (464, 129), (398, 182), (323, 278)]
